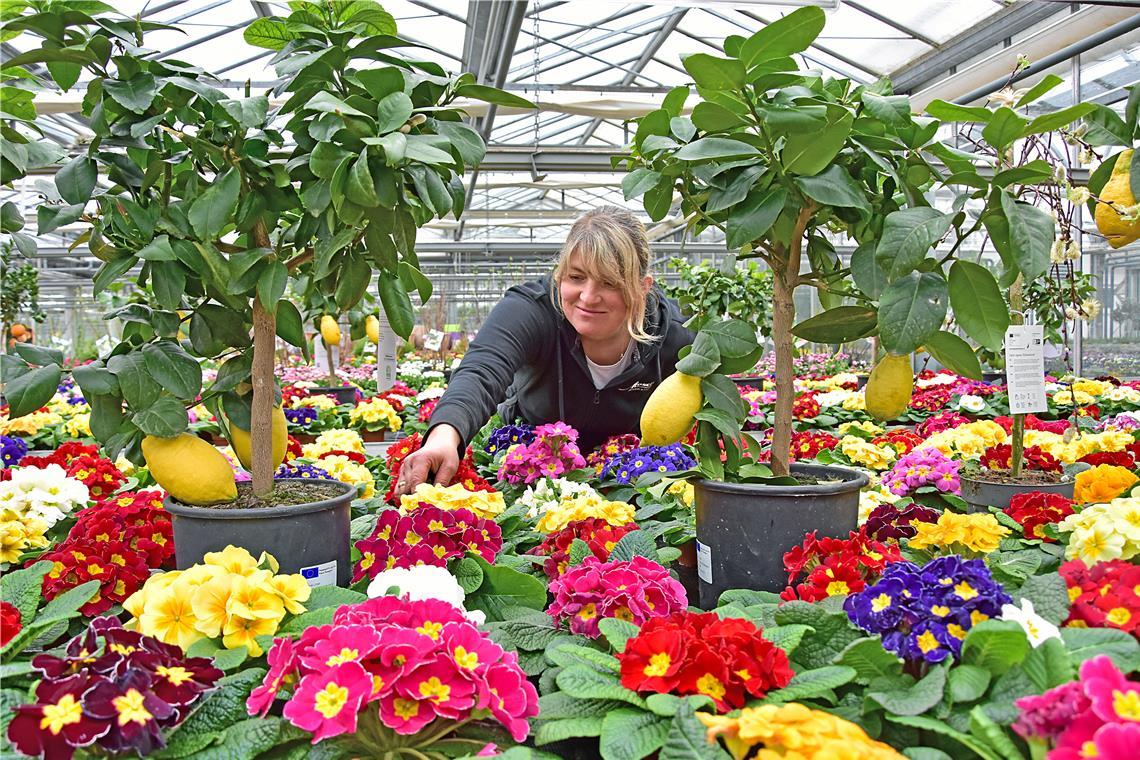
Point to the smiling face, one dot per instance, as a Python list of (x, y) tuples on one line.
[(595, 307)]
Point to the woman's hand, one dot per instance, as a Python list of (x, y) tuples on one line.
[(439, 454)]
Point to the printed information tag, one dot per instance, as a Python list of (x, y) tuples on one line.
[(704, 563), (323, 574), (385, 355), (1025, 368)]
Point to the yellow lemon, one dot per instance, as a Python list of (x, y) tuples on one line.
[(330, 331), (372, 328), (241, 441), (668, 414), (889, 387), (1118, 190), (190, 470)]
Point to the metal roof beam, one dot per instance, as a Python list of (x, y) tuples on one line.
[(639, 65), (892, 23), (994, 30), (631, 32)]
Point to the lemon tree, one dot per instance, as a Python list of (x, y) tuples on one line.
[(213, 204)]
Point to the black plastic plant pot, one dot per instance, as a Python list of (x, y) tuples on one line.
[(344, 394), (311, 538), (743, 529), (754, 381), (983, 494)]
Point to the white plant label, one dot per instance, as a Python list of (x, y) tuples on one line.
[(704, 562), (323, 574), (385, 355), (1025, 368)]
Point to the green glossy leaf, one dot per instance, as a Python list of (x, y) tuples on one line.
[(504, 588), (135, 94), (996, 645), (271, 33), (940, 109), (1031, 232), (165, 418), (786, 36), (893, 110), (911, 309), (707, 148), (31, 390), (211, 212), (722, 394), (381, 82), (1048, 122), (290, 327), (1047, 83), (713, 117), (174, 369), (979, 307), (466, 140), (908, 234), (735, 338), (808, 153), (754, 216), (493, 95), (869, 276), (392, 111), (1005, 126), (714, 73), (835, 187), (397, 305), (75, 180), (839, 325), (954, 353), (915, 698), (635, 183)]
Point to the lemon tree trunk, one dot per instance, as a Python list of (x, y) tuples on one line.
[(261, 413)]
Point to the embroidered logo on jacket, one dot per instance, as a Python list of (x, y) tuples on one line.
[(644, 386)]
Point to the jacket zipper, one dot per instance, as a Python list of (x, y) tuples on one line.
[(597, 396)]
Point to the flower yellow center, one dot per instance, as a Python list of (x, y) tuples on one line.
[(130, 707), (123, 649), (465, 659), (1126, 705), (940, 610), (346, 655), (624, 613), (956, 631), (658, 665), (330, 700), (66, 711), (710, 685), (977, 617), (430, 628), (1119, 616), (1088, 749), (836, 588), (1075, 591), (965, 591), (435, 690), (588, 612), (406, 708), (177, 675), (927, 642)]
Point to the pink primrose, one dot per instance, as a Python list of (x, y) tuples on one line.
[(344, 643), (326, 703), (283, 660)]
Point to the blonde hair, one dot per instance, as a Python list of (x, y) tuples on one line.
[(613, 247)]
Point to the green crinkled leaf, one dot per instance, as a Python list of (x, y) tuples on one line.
[(617, 632), (320, 616), (632, 734), (213, 715), (468, 574), (1007, 688), (786, 637), (23, 589), (560, 706), (557, 730), (533, 632), (869, 660), (636, 543), (1049, 595), (940, 727), (831, 632), (1049, 664), (66, 605), (811, 684), (586, 683), (968, 683), (567, 654), (915, 699), (687, 740), (1085, 643), (995, 645)]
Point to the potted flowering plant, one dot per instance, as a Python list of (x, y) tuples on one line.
[(218, 212), (773, 157)]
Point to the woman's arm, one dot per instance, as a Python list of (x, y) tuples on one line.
[(513, 335)]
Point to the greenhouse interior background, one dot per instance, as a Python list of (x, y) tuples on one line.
[(591, 66)]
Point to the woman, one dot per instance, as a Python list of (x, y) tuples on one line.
[(586, 345)]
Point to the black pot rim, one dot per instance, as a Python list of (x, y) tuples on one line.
[(852, 480), (1070, 481), (332, 387), (286, 510)]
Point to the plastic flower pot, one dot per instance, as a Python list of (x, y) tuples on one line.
[(310, 538), (344, 394), (743, 529), (983, 494), (755, 381)]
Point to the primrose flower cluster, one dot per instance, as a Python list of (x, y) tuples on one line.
[(978, 533), (823, 567), (12, 450), (230, 594), (599, 536), (1097, 715), (1101, 532), (584, 507), (924, 468), (426, 536), (1104, 595), (488, 504), (923, 613), (552, 453), (502, 438), (794, 730), (634, 591), (687, 653), (375, 414), (398, 662), (627, 467), (115, 689), (46, 494), (551, 492)]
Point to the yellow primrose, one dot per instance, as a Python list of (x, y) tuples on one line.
[(856, 402), (340, 439), (169, 617), (29, 424), (868, 427), (980, 533), (583, 507), (375, 411), (347, 471), (19, 533), (1092, 387), (865, 453), (243, 632), (232, 559), (252, 597), (320, 403), (293, 590), (486, 504)]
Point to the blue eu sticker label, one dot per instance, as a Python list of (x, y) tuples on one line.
[(323, 574), (310, 572)]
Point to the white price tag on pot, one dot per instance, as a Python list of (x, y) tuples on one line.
[(704, 562), (323, 574), (385, 355), (1025, 368)]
